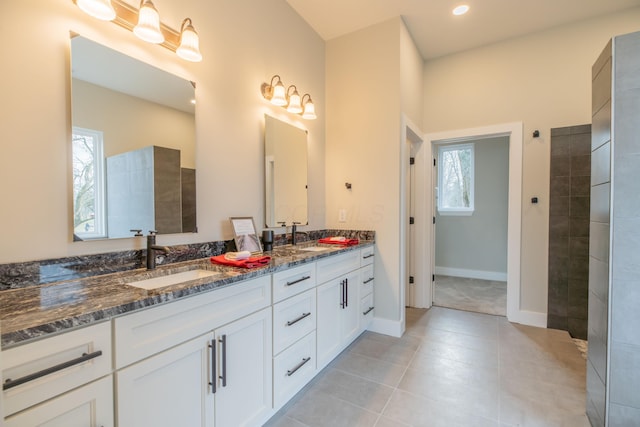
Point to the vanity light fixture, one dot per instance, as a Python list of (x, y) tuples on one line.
[(294, 100), (277, 95), (189, 48), (309, 112), (100, 9), (145, 24), (148, 27)]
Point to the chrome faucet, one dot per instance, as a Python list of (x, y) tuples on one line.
[(152, 248)]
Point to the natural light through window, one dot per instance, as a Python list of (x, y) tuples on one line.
[(455, 179), (88, 184)]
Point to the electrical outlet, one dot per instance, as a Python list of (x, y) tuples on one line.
[(342, 215)]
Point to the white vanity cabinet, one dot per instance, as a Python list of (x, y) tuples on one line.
[(338, 305), (36, 376), (367, 280), (222, 377)]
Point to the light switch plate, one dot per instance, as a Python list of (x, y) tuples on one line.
[(342, 215)]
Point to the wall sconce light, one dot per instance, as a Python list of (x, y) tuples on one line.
[(277, 95), (145, 24)]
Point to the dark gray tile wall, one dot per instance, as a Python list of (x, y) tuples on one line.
[(599, 243), (569, 229), (613, 363)]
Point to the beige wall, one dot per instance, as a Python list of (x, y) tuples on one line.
[(543, 80), (243, 42)]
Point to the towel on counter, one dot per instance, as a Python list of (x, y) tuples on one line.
[(339, 240), (251, 262), (237, 255)]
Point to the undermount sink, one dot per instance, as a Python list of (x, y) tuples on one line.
[(172, 279), (313, 248)]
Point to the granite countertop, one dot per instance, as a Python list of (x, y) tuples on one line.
[(36, 311)]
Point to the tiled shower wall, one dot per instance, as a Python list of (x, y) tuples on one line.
[(570, 188)]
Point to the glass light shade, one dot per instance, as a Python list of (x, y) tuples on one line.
[(279, 97), (189, 48), (100, 9), (294, 103), (309, 110), (148, 28), (461, 10)]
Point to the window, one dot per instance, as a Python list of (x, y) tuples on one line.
[(455, 179), (88, 184)]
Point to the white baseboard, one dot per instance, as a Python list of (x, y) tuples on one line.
[(529, 318), (386, 327), (472, 274)]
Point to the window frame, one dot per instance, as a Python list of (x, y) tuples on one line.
[(456, 211), (99, 190)]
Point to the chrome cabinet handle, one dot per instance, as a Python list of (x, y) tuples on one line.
[(302, 279), (370, 279), (9, 383), (293, 322), (368, 311), (298, 366), (214, 378), (223, 377)]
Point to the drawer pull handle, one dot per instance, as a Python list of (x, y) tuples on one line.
[(9, 383), (223, 377), (368, 311), (367, 256), (298, 366), (214, 375), (302, 279), (370, 279), (293, 322)]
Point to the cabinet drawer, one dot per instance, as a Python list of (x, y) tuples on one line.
[(366, 280), (293, 368), (65, 361), (367, 255), (142, 334), (337, 265), (293, 281), (366, 310), (293, 319)]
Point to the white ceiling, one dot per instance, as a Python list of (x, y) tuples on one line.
[(437, 32)]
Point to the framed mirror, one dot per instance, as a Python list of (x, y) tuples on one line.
[(285, 160), (133, 146)]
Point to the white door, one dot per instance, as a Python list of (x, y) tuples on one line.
[(329, 300), (88, 406), (244, 386), (169, 389)]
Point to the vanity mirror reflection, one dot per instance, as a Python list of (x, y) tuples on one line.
[(133, 145), (285, 173)]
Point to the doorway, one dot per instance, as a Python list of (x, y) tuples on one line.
[(471, 191)]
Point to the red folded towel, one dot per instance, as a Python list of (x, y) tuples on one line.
[(335, 241), (251, 262)]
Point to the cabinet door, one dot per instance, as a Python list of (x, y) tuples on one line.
[(169, 389), (350, 317), (88, 406), (244, 388), (329, 300)]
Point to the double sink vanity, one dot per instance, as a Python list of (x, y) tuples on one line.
[(190, 343)]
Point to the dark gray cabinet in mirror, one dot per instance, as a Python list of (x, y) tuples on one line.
[(133, 146), (285, 173)]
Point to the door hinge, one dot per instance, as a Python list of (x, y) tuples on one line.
[(410, 279), (412, 220), (434, 219), (433, 277), (434, 162), (412, 160)]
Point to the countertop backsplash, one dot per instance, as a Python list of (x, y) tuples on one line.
[(34, 273)]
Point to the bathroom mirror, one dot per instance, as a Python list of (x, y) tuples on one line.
[(285, 173), (133, 146)]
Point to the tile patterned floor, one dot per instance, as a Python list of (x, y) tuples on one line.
[(480, 296), (451, 368)]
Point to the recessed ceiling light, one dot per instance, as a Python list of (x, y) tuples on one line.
[(461, 10)]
